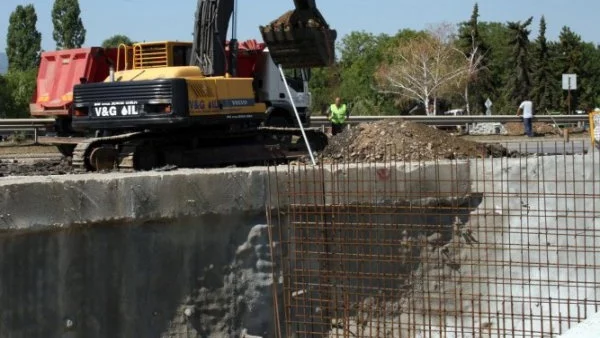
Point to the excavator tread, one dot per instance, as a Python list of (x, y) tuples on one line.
[(83, 148), (131, 149)]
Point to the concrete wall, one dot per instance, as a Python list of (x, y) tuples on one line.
[(544, 226), (131, 254), (125, 255), (530, 268), (182, 254)]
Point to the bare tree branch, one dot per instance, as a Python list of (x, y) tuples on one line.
[(424, 68)]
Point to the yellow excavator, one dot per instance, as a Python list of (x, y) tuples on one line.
[(207, 102)]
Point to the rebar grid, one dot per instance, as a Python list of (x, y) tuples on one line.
[(481, 247)]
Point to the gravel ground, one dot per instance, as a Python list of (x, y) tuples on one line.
[(365, 142), (59, 166), (26, 149)]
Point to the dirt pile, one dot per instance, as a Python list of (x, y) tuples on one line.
[(42, 167), (405, 141), (539, 128)]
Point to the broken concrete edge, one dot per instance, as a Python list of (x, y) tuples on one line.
[(42, 202), (589, 328)]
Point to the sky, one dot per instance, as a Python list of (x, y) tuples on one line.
[(150, 20)]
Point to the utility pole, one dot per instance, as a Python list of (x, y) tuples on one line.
[(569, 97)]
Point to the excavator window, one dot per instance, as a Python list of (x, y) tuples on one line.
[(181, 55)]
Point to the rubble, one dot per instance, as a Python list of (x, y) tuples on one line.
[(487, 129), (405, 141), (539, 128)]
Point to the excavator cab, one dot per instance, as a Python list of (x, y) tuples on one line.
[(300, 38)]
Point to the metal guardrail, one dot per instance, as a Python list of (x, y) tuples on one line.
[(33, 125), (458, 120), (36, 124)]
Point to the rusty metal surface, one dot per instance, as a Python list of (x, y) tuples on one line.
[(403, 249)]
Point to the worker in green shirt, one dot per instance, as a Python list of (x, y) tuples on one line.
[(337, 114)]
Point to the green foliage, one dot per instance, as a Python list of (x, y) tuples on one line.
[(519, 84), (361, 54), (470, 41), (115, 40), (589, 83), (570, 60), (544, 86), (69, 31), (4, 97), (324, 86), (513, 68), (23, 41), (20, 86)]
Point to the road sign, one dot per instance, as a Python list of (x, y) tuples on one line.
[(569, 81), (488, 105)]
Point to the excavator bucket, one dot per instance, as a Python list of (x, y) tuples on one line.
[(300, 39)]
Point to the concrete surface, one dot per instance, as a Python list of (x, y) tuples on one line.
[(589, 328), (523, 265), (541, 219), (186, 253), (172, 254)]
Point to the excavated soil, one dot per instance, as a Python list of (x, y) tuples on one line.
[(284, 19), (539, 128), (294, 19), (39, 167), (407, 141)]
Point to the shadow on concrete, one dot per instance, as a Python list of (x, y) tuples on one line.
[(138, 279), (337, 259)]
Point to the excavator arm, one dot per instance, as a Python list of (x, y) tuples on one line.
[(210, 34), (298, 39)]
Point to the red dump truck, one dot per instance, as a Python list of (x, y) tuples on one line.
[(59, 71)]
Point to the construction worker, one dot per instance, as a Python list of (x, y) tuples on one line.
[(337, 114), (526, 110)]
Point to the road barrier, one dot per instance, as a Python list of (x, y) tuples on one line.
[(458, 120), (36, 125)]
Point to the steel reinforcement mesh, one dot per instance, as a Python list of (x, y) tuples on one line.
[(406, 247)]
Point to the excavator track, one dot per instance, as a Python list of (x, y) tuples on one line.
[(147, 150), (81, 153)]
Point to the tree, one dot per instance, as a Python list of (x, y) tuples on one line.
[(519, 84), (571, 61), (543, 79), (116, 40), (23, 41), (361, 54), (497, 36), (4, 98), (589, 84), (422, 69), (475, 50), (68, 28), (324, 84), (20, 87)]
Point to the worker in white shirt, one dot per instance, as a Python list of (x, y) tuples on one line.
[(526, 109)]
